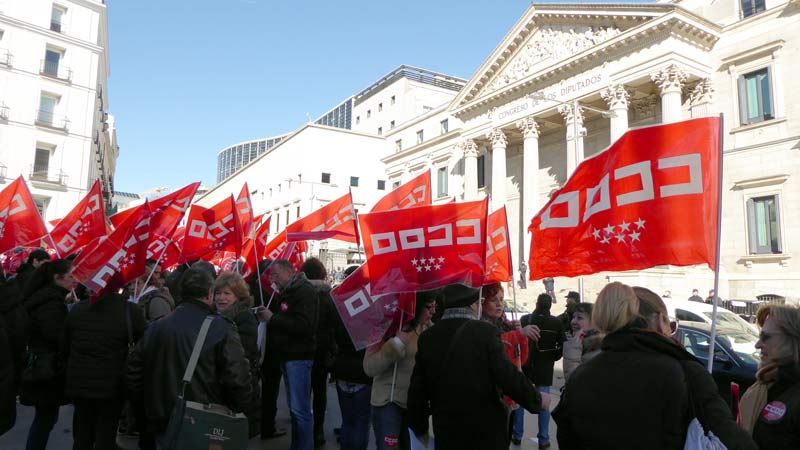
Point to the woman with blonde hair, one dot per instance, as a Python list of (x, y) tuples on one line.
[(771, 407)]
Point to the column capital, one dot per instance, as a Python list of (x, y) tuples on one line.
[(569, 114), (497, 137), (616, 96), (469, 147), (669, 79), (702, 92), (528, 127)]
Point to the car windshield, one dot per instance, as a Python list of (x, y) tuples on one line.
[(742, 343), (729, 320)]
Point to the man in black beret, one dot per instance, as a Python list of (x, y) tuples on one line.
[(460, 375)]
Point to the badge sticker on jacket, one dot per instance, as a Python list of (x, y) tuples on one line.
[(284, 306), (773, 412)]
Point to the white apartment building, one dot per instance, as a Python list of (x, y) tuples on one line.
[(55, 130)]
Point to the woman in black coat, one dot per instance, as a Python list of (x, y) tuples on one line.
[(97, 337), (232, 299), (43, 380)]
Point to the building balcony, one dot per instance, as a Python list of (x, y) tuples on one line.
[(3, 173), (50, 120), (3, 111), (43, 179), (57, 26), (53, 69), (6, 59)]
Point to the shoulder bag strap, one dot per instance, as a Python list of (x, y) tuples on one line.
[(198, 346)]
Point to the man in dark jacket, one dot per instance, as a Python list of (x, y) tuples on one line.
[(290, 334), (156, 366), (460, 375), (35, 259), (543, 355)]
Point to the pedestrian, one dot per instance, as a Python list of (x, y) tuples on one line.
[(390, 363), (771, 407), (325, 353), (539, 367), (582, 342), (35, 259), (154, 301), (710, 298), (696, 296), (573, 299), (271, 365), (291, 334), (43, 379), (664, 386), (460, 371), (232, 300), (98, 337), (156, 366)]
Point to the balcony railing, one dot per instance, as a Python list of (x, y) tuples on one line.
[(3, 111), (3, 171), (54, 69), (56, 26), (44, 176), (50, 120), (6, 58)]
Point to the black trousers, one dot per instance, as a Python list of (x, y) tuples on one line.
[(319, 390), (94, 424), (270, 385)]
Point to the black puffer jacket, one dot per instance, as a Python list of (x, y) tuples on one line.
[(778, 427), (97, 346), (156, 366), (18, 323), (47, 309), (8, 392), (640, 380), (291, 330), (348, 364)]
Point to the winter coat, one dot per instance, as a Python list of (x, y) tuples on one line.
[(291, 330), (156, 366), (379, 363), (156, 303), (17, 326), (778, 426), (326, 328), (48, 312), (641, 381), (572, 351), (349, 363), (461, 385), (240, 313), (547, 350), (8, 391), (96, 337)]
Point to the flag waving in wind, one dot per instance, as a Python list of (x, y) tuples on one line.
[(627, 208), (498, 252), (167, 210), (416, 192), (210, 230), (336, 220), (85, 222), (253, 249), (20, 221), (244, 210)]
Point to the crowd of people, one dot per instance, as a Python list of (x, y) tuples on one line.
[(459, 364)]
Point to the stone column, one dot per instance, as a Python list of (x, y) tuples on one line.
[(669, 81), (700, 98), (617, 98), (498, 140), (777, 82), (530, 177), (574, 122), (470, 150)]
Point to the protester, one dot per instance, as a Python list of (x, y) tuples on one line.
[(270, 370), (326, 345), (771, 407), (390, 363), (539, 367), (710, 298), (696, 296), (154, 301), (232, 300), (17, 328), (581, 332), (97, 338), (460, 370), (8, 384), (43, 380), (35, 259), (291, 336), (156, 366), (573, 299), (664, 386)]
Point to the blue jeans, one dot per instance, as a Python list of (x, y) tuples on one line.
[(391, 427), (297, 378), (355, 407), (519, 423), (544, 419), (43, 423)]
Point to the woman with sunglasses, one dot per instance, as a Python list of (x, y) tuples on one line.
[(771, 407)]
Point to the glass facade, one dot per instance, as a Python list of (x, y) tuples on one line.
[(235, 157), (339, 117)]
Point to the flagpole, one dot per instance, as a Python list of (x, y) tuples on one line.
[(158, 262), (258, 273), (270, 297), (53, 242), (719, 236), (394, 372)]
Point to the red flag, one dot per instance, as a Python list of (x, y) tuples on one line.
[(85, 222), (167, 210), (416, 192), (253, 249), (109, 262), (335, 220), (368, 317), (164, 250), (498, 252), (433, 247), (212, 229), (20, 221), (650, 199), (279, 248), (244, 211)]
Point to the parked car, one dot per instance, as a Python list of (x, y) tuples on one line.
[(684, 310), (736, 358)]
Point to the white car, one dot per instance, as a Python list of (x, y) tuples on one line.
[(687, 311)]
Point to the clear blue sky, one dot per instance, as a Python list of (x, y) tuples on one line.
[(191, 77)]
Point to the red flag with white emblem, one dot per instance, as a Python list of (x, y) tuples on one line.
[(20, 221), (109, 262), (167, 210), (433, 247), (253, 249), (211, 230), (244, 210), (416, 192), (628, 209), (85, 222), (498, 252), (336, 220)]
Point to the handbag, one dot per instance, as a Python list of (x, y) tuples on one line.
[(194, 425), (696, 437)]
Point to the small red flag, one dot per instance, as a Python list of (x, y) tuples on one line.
[(253, 249), (211, 230), (336, 220), (498, 252), (416, 192), (650, 199), (167, 210), (244, 210), (20, 221), (85, 222)]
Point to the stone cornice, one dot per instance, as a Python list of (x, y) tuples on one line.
[(51, 34), (419, 147)]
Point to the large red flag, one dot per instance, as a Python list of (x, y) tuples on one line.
[(109, 262), (167, 210), (650, 199), (210, 230), (20, 221), (498, 252), (369, 317), (244, 210), (335, 220), (433, 247), (85, 222), (416, 192), (253, 249), (165, 250)]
